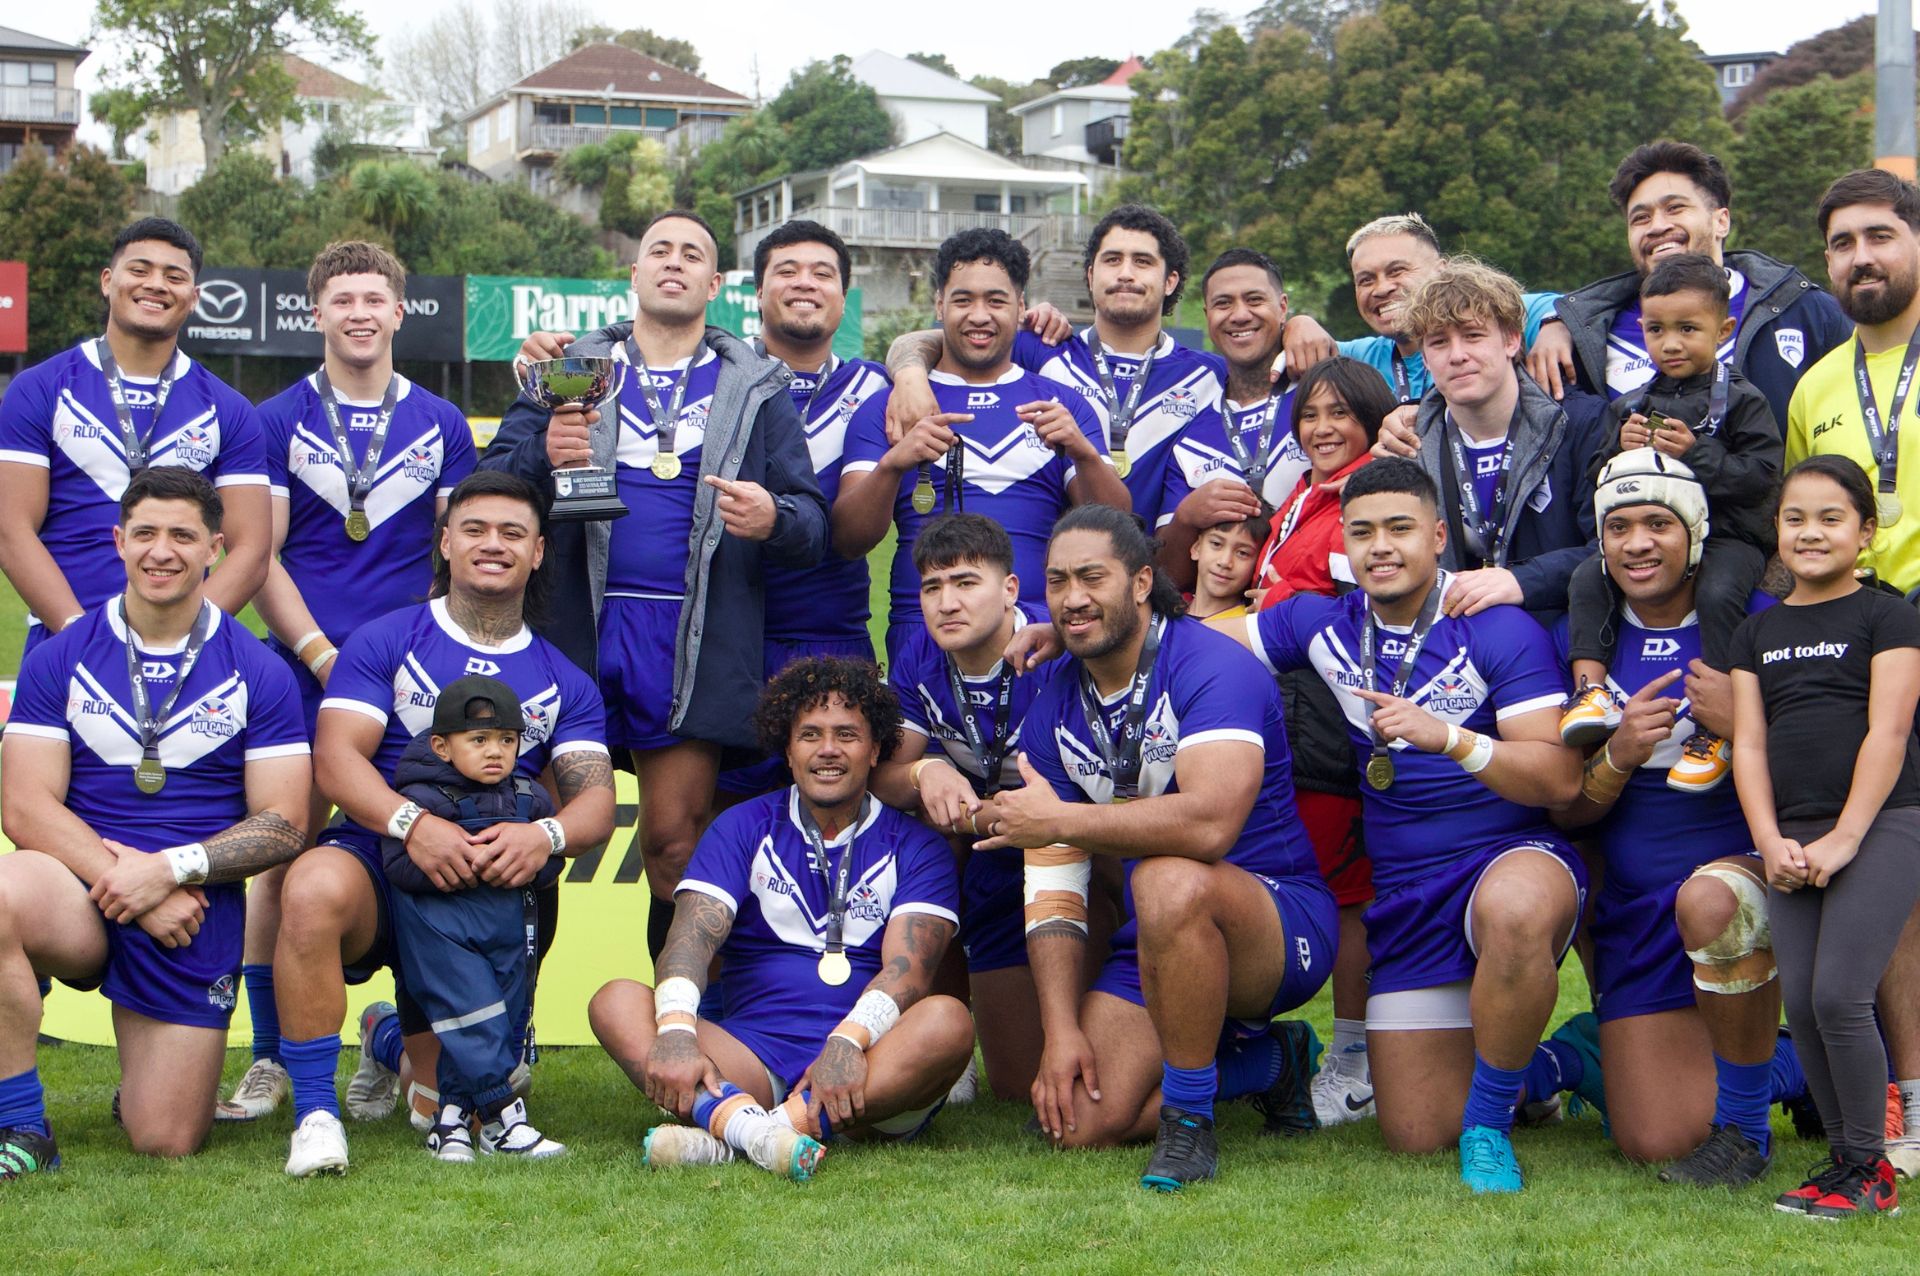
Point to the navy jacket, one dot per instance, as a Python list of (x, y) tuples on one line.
[(753, 433), (420, 776), (1790, 322)]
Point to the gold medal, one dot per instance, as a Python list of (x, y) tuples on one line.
[(357, 525), (1121, 465), (666, 466), (1380, 772), (150, 776), (923, 497), (835, 969), (1887, 506)]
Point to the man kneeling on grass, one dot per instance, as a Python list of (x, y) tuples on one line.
[(800, 891)]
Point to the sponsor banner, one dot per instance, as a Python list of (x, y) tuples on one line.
[(13, 307), (266, 312)]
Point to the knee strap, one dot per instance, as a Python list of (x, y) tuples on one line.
[(1746, 934)]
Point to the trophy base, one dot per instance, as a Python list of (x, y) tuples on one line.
[(585, 495)]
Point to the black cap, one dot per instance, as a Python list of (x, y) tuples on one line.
[(477, 704)]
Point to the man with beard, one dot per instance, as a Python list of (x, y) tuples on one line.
[(1851, 403), (76, 428), (1677, 199)]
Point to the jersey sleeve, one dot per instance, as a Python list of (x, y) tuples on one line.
[(457, 456), (582, 721), (1516, 656), (722, 858), (362, 677), (1030, 352), (242, 461), (901, 676), (1218, 694), (26, 420), (867, 435), (275, 418), (40, 696), (1277, 635), (927, 882), (1539, 308), (276, 719)]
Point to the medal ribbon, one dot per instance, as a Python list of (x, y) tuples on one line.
[(667, 421), (1402, 383), (1482, 529), (1120, 416), (1884, 439), (1254, 467), (991, 751), (145, 717), (835, 885), (1369, 643), (360, 475), (1121, 754), (130, 441)]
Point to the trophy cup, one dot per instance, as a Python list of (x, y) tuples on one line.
[(584, 492)]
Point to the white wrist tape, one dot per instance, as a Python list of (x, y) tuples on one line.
[(189, 863), (401, 822), (555, 833), (676, 995), (876, 1012), (1479, 757), (300, 647)]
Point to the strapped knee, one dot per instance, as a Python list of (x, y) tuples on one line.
[(1745, 934)]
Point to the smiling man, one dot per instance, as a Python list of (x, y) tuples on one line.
[(76, 428)]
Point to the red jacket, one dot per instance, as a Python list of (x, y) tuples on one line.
[(1305, 554)]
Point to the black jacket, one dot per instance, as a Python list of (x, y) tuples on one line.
[(420, 776)]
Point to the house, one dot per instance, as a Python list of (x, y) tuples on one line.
[(924, 101), (592, 94), (38, 102), (894, 209), (1086, 125), (333, 108), (1735, 71)]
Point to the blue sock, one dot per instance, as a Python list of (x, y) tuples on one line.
[(1787, 1080), (705, 1101), (1741, 1100), (386, 1044), (1555, 1066), (23, 1104), (311, 1065), (1249, 1067), (261, 1007), (1494, 1095), (1190, 1089)]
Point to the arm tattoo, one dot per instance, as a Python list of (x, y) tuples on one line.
[(253, 845), (1058, 926), (701, 924), (907, 976), (582, 769)]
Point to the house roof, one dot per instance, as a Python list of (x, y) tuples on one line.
[(26, 42), (1125, 71), (1724, 59), (310, 79), (593, 67), (892, 76), (1084, 93), (943, 157)]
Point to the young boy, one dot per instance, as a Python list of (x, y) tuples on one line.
[(1225, 556), (466, 950), (1697, 410)]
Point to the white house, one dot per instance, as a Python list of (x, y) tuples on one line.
[(924, 101), (1083, 125)]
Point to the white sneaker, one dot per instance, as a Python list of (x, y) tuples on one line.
[(785, 1151), (1340, 1096), (1548, 1111), (513, 1135), (374, 1088), (319, 1146), (448, 1138), (264, 1088), (422, 1104), (1904, 1154), (967, 1088), (671, 1145)]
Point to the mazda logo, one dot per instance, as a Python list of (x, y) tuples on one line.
[(221, 301)]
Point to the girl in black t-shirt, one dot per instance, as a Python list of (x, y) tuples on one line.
[(1824, 757)]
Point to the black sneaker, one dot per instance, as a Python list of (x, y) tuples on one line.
[(1727, 1159), (1287, 1104), (24, 1152), (1822, 1179), (1183, 1152)]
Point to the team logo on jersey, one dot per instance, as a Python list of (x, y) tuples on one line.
[(78, 704), (1792, 344), (1157, 743), (539, 716), (1450, 692), (156, 669), (1659, 648), (140, 396), (358, 419), (1180, 402), (1303, 948), (220, 993), (418, 464), (981, 399), (194, 445), (66, 428), (849, 402), (482, 666), (865, 904), (214, 717)]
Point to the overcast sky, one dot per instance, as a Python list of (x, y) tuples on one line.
[(776, 43)]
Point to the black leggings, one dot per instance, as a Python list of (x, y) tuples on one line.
[(1832, 945)]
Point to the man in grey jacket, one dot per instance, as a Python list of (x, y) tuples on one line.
[(666, 606)]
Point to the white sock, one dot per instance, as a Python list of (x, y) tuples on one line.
[(745, 1125), (1910, 1102), (1349, 1034)]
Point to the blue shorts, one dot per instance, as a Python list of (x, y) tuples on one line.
[(751, 772), (364, 846), (194, 985), (1640, 963), (993, 911), (1418, 934), (1309, 921), (786, 1055), (636, 671)]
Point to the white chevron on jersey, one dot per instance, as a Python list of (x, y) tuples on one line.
[(953, 738), (1160, 740), (994, 467), (827, 432), (639, 442), (96, 448), (189, 734), (399, 480), (784, 905), (1451, 694), (1159, 417)]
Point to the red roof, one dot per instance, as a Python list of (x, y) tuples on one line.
[(592, 68), (313, 80), (1124, 72)]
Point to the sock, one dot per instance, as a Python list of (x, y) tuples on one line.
[(1741, 1100), (740, 1119), (1494, 1095), (1910, 1102), (1190, 1089), (386, 1043), (1247, 1067), (1349, 1036), (1786, 1080), (312, 1065), (23, 1104), (659, 921), (260, 1006), (793, 1113), (1555, 1066)]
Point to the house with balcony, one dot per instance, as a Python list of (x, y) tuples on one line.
[(332, 108), (39, 104), (590, 95), (1081, 128), (923, 101), (894, 209)]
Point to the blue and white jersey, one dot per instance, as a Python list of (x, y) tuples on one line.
[(239, 705), (59, 416), (1377, 351), (1474, 672), (755, 859), (1655, 836), (1204, 689), (1181, 388), (832, 601), (649, 554), (918, 675), (1486, 458), (428, 449), (1009, 474), (1203, 453), (392, 669), (1630, 367)]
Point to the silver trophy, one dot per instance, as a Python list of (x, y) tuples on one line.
[(585, 492)]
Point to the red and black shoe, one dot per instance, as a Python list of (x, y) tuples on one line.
[(1866, 1189), (1821, 1179)]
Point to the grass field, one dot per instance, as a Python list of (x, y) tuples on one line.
[(976, 1195)]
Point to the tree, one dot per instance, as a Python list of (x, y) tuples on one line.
[(60, 216), (829, 117), (1839, 52), (1075, 72), (664, 48), (396, 195), (935, 61), (1320, 19), (223, 61), (122, 112), (461, 57), (1792, 144), (242, 210)]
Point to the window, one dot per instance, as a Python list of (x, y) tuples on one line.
[(662, 117), (480, 140), (10, 154), (1737, 75), (625, 116), (1059, 118), (40, 73), (551, 113)]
